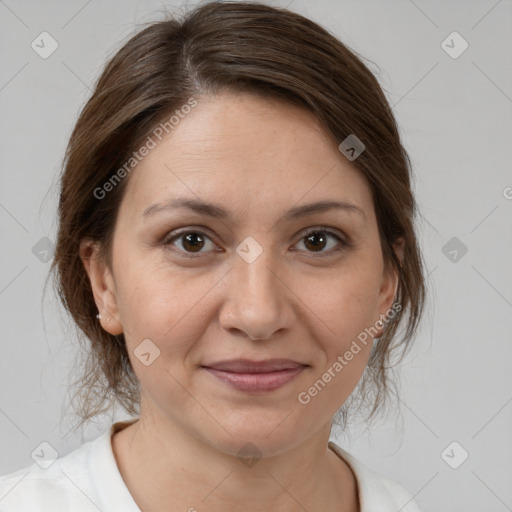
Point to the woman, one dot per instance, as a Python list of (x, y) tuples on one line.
[(236, 242)]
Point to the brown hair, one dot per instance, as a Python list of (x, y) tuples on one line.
[(243, 47)]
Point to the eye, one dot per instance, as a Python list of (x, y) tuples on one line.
[(191, 242), (194, 242), (317, 239)]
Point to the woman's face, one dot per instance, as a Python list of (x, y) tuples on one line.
[(250, 283)]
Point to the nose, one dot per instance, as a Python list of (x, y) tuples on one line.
[(258, 303)]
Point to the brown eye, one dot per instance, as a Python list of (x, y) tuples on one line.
[(316, 240), (191, 242)]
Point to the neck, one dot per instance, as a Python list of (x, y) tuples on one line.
[(162, 463)]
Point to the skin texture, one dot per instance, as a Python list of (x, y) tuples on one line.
[(257, 158)]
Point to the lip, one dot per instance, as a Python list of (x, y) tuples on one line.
[(255, 376)]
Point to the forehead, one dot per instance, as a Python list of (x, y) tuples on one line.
[(247, 152)]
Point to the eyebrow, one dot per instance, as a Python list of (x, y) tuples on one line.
[(219, 212)]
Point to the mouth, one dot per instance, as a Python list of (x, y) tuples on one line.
[(255, 376)]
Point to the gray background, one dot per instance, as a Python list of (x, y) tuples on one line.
[(455, 117)]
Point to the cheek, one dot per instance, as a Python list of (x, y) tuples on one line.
[(166, 306), (346, 349), (167, 310), (346, 304)]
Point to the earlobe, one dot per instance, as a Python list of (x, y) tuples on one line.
[(102, 285)]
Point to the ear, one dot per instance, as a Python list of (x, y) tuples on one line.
[(389, 285), (103, 286)]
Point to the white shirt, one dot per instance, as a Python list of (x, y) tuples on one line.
[(88, 480)]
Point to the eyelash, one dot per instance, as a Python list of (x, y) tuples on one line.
[(343, 243)]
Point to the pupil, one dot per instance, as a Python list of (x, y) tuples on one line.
[(312, 237), (192, 241)]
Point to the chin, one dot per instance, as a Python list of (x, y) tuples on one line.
[(264, 434)]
